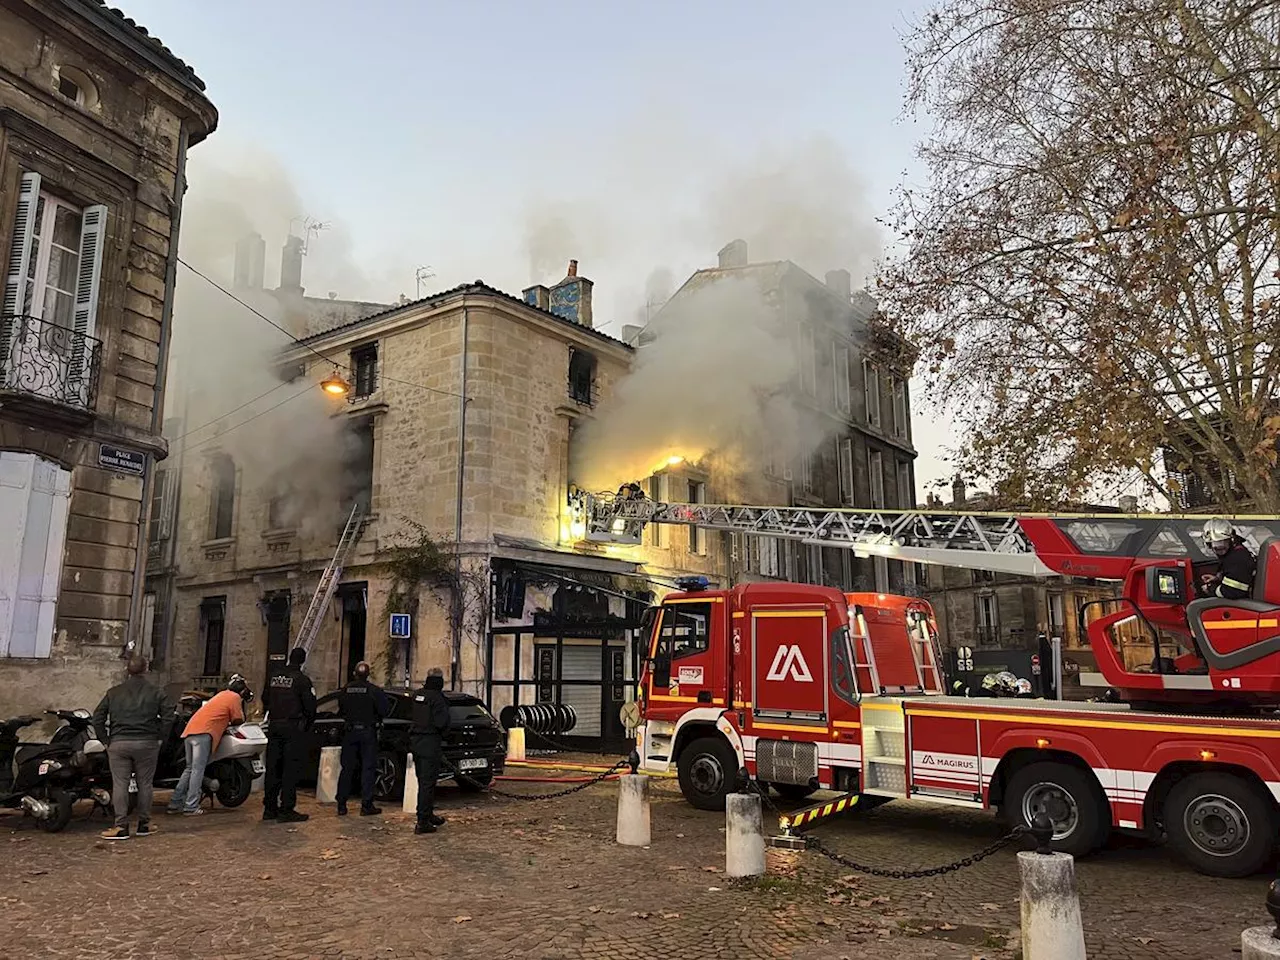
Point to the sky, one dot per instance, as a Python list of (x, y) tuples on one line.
[(493, 139)]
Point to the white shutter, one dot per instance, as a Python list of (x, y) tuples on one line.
[(15, 495), (55, 551), (15, 287), (84, 321), (32, 561)]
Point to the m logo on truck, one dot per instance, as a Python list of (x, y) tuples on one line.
[(789, 660)]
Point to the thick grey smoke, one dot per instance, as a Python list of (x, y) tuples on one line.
[(224, 384), (719, 375)]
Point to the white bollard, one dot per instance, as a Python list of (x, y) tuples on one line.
[(410, 786), (1051, 925), (1259, 943), (633, 810), (327, 777), (743, 836), (515, 743)]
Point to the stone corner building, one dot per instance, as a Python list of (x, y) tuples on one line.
[(96, 117)]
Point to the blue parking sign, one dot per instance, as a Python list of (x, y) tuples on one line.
[(400, 626)]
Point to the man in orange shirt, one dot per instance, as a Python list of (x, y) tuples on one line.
[(200, 739)]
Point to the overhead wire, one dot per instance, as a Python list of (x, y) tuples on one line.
[(261, 413), (302, 343)]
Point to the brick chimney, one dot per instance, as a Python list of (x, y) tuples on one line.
[(251, 258), (840, 283), (733, 254), (291, 266), (571, 297)]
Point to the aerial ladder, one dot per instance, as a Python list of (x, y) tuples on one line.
[(328, 585), (1229, 650)]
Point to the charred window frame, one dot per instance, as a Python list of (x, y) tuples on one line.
[(582, 376), (364, 366)]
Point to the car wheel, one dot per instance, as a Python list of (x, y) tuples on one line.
[(1222, 825), (62, 803), (708, 772), (1072, 799), (235, 783), (793, 792), (388, 780)]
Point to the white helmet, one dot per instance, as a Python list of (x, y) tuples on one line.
[(1024, 687), (1217, 536)]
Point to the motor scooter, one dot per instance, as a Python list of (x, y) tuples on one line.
[(230, 772), (45, 779)]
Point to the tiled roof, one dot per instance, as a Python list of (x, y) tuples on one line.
[(477, 287), (171, 59)]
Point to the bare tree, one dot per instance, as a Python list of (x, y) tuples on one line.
[(1091, 273)]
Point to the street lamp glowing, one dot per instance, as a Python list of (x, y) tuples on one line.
[(335, 386), (672, 461)]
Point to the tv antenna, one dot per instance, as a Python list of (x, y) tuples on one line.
[(310, 227), (419, 276)]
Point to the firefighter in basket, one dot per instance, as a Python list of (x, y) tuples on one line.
[(1236, 564)]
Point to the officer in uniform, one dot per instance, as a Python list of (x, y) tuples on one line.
[(362, 705), (430, 721), (290, 701)]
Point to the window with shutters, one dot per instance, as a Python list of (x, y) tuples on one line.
[(906, 489), (34, 497), (844, 458), (660, 490), (875, 468), (364, 364), (871, 390), (158, 529), (900, 408), (697, 535), (48, 316), (843, 359), (223, 470)]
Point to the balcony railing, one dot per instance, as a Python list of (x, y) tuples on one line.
[(41, 359)]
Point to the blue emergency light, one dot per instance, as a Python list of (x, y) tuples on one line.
[(692, 584)]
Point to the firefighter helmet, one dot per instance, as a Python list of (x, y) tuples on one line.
[(1024, 687), (991, 681), (1217, 536)]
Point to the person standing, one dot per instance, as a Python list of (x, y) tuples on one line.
[(133, 719), (430, 722), (290, 702), (362, 704), (200, 738)]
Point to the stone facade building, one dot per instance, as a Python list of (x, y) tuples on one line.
[(459, 428), (96, 118)]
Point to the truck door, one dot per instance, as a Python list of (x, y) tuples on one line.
[(790, 664), (687, 667)]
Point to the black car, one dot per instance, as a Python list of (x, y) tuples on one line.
[(476, 744)]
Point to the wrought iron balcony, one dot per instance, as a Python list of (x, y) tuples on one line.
[(40, 359)]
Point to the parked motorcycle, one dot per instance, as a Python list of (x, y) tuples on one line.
[(231, 770), (46, 779)]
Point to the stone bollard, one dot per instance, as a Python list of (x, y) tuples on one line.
[(1051, 925), (1263, 943), (743, 836), (327, 777), (633, 810), (410, 786), (515, 743)]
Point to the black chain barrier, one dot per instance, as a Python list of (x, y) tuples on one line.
[(813, 843), (489, 788)]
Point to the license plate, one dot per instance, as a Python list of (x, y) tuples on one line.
[(480, 764), (259, 766)]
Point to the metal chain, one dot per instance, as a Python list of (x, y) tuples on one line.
[(813, 843), (555, 744), (489, 788)]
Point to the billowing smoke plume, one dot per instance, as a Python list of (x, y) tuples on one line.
[(719, 371), (224, 384)]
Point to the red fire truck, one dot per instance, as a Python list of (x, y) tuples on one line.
[(789, 682)]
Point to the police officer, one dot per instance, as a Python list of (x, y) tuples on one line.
[(430, 721), (362, 705), (290, 701)]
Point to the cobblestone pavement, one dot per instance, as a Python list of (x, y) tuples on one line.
[(544, 880)]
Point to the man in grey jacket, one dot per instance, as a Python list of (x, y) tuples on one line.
[(133, 719)]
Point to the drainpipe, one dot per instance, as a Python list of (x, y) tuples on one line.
[(455, 668), (162, 372)]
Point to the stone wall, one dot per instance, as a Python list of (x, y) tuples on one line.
[(122, 146)]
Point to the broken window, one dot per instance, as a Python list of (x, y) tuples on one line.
[(364, 364), (223, 470), (582, 376), (358, 466)]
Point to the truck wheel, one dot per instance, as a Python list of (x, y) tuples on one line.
[(794, 792), (1071, 798), (708, 771), (62, 802), (1222, 825)]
